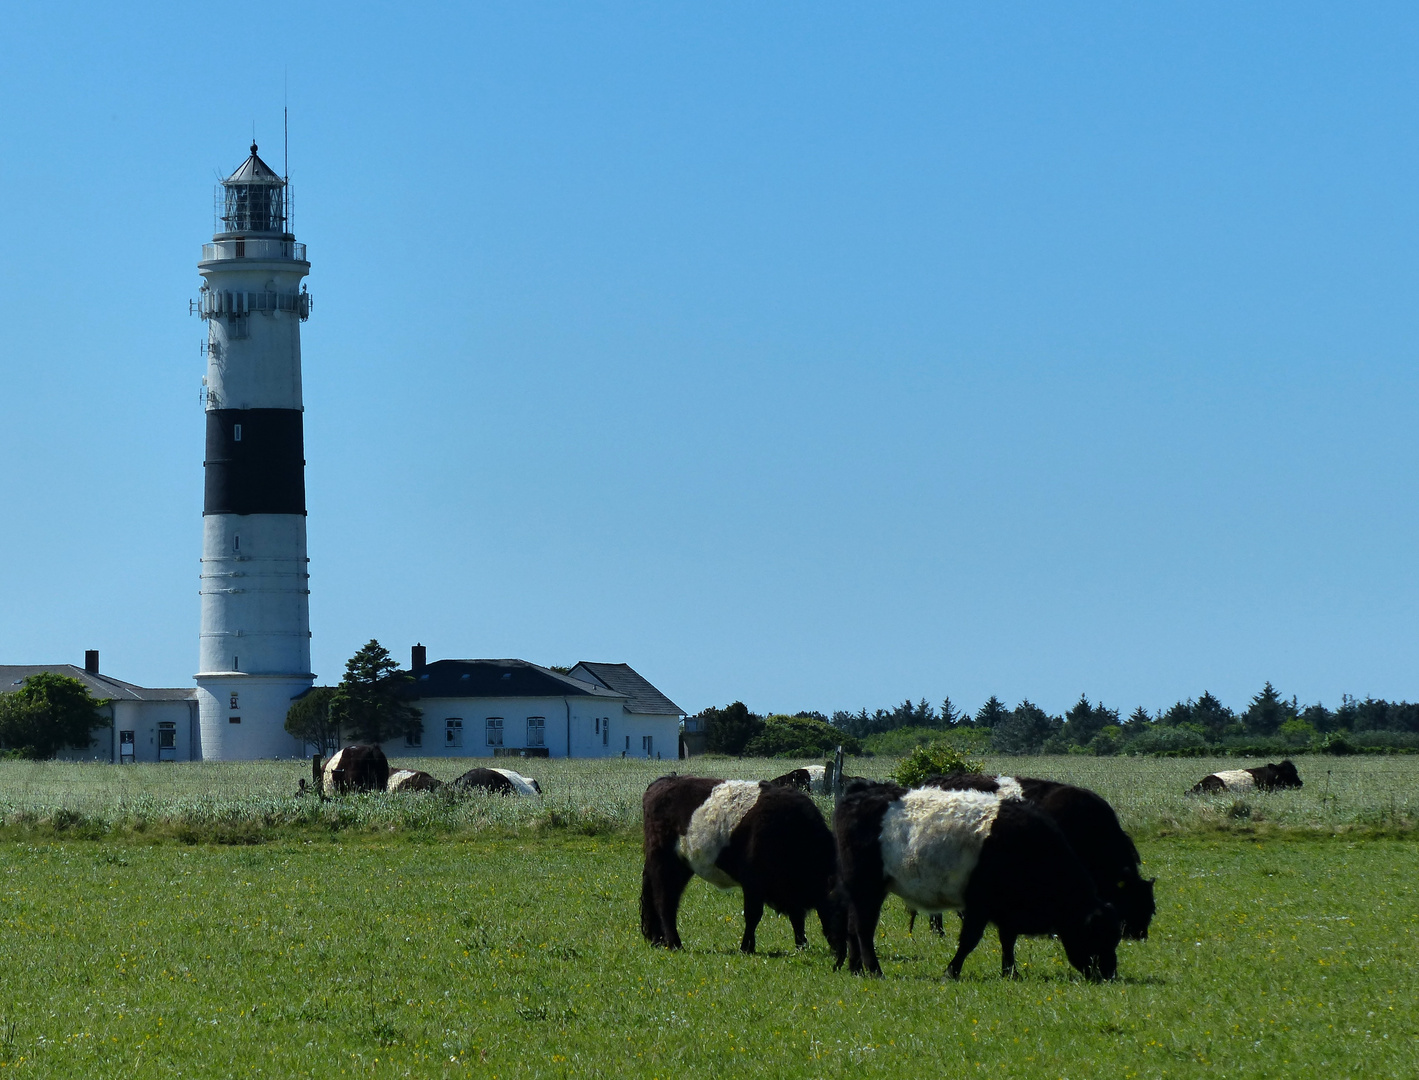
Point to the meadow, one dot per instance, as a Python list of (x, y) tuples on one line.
[(202, 921)]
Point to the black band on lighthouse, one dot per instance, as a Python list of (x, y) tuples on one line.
[(255, 462)]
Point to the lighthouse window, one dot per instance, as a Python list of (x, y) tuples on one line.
[(236, 542), (236, 433), (234, 701)]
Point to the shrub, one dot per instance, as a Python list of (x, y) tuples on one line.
[(924, 761), (901, 741), (799, 737), (1167, 740)]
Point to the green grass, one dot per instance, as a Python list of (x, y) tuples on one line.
[(496, 937), (522, 957)]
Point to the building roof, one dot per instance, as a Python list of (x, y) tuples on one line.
[(624, 679), (254, 171), (501, 678), (100, 686)]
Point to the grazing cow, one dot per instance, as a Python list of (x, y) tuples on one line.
[(497, 781), (1241, 781), (768, 840), (996, 860), (355, 768), (809, 779), (412, 780), (1093, 831)]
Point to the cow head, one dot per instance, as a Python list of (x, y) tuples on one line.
[(1133, 897), (1093, 948), (1286, 774), (536, 786)]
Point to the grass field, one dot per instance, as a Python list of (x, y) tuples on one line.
[(492, 942)]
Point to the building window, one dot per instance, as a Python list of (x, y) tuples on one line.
[(234, 701), (606, 731), (236, 543), (495, 731), (414, 738), (628, 742), (234, 719), (598, 725), (647, 744), (453, 732), (536, 731), (236, 433)]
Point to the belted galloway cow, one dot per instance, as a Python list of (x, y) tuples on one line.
[(497, 781), (355, 768), (1241, 781), (768, 840), (995, 860), (1093, 831)]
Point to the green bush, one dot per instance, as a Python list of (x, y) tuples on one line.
[(924, 761), (1178, 741), (900, 741), (799, 737)]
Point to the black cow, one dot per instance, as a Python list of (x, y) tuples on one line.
[(1241, 781), (994, 859), (768, 840), (497, 781), (1093, 831), (810, 779), (355, 768)]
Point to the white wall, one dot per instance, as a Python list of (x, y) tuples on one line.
[(142, 718), (584, 715)]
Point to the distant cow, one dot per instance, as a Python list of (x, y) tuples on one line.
[(994, 859), (497, 781), (412, 780), (1241, 781), (809, 779), (768, 840), (1093, 831), (355, 768)]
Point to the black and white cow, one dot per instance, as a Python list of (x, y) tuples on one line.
[(497, 781), (1241, 781), (1093, 831), (355, 768), (811, 778), (995, 860), (412, 780), (768, 840)]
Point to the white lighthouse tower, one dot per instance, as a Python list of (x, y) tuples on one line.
[(255, 643)]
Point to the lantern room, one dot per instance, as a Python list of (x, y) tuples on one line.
[(253, 201)]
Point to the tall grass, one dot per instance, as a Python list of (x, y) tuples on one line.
[(242, 802)]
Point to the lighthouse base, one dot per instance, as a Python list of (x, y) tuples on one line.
[(243, 717)]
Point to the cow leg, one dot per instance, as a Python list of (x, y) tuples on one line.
[(972, 930), (664, 879), (800, 934), (753, 912), (1007, 954), (867, 910), (938, 926)]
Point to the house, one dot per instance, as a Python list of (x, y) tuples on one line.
[(500, 708), (148, 724)]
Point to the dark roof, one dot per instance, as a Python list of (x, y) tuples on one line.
[(624, 679), (254, 171), (500, 678), (100, 686)]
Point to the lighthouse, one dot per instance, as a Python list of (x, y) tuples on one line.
[(255, 635)]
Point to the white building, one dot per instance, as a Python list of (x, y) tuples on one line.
[(492, 708), (148, 724), (255, 635)]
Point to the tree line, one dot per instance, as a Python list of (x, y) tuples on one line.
[(1269, 721)]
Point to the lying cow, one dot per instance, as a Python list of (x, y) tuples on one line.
[(355, 768), (1093, 831), (412, 780), (1241, 781), (996, 860), (811, 778), (768, 840), (497, 781)]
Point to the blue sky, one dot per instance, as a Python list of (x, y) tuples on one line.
[(812, 355)]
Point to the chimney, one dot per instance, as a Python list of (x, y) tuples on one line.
[(418, 657), (91, 661)]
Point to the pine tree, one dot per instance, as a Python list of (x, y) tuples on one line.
[(372, 701)]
